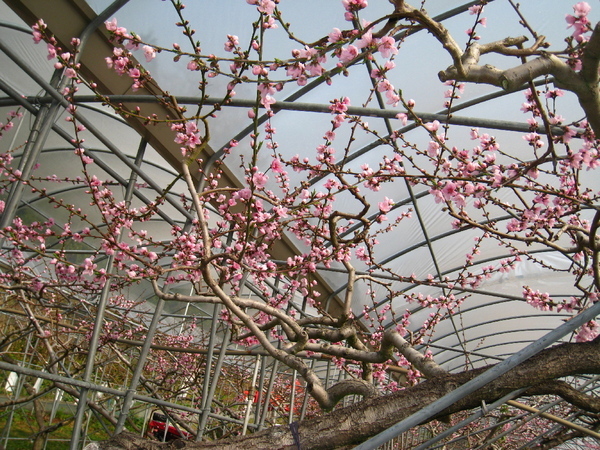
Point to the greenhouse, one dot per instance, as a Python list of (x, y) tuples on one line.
[(278, 224)]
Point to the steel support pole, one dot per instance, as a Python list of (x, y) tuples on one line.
[(292, 397), (213, 385), (268, 395), (207, 372), (260, 389), (251, 396), (145, 350), (488, 376), (139, 367), (323, 108), (306, 396), (38, 134), (100, 312)]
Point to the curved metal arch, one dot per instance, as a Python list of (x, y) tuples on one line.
[(63, 134), (521, 343), (465, 290), (489, 322), (473, 308), (481, 350), (498, 320), (108, 152)]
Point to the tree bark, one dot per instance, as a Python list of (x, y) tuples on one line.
[(354, 424)]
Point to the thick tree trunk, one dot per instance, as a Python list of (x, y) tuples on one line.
[(356, 423)]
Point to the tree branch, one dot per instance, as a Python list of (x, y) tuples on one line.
[(567, 393), (423, 364)]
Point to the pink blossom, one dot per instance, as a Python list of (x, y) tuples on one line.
[(335, 36), (231, 43), (354, 5), (89, 266), (37, 28), (366, 40), (384, 85), (266, 6), (277, 166), (475, 9), (386, 205), (347, 54), (433, 149), (259, 179), (387, 46), (403, 117), (339, 106), (579, 21), (51, 51), (582, 9), (433, 126), (135, 73), (269, 22), (331, 184), (149, 53), (315, 69), (534, 139), (392, 98), (361, 253), (588, 332), (266, 90), (537, 299), (111, 25)]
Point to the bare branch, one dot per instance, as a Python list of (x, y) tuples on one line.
[(425, 365), (568, 393)]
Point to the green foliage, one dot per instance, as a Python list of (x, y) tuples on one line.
[(24, 429)]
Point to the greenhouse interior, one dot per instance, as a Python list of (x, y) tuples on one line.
[(299, 224)]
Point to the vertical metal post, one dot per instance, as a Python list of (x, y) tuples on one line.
[(206, 399), (306, 396), (268, 395), (139, 367), (293, 397), (207, 373), (101, 309), (213, 385), (250, 396), (38, 134), (260, 389), (16, 393)]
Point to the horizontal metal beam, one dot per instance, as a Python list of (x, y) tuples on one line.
[(473, 122)]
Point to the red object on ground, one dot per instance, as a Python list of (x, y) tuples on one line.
[(157, 425)]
